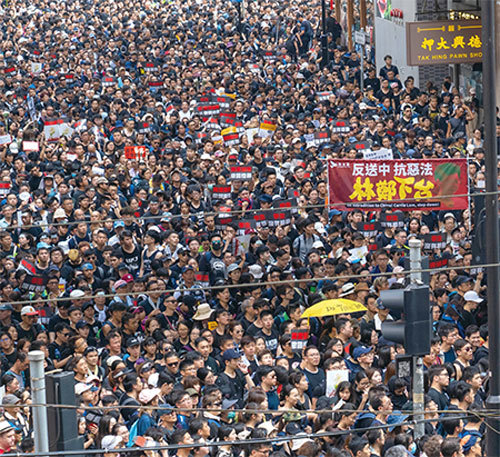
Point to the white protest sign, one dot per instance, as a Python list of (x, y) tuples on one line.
[(333, 379), (5, 139), (381, 154), (30, 146)]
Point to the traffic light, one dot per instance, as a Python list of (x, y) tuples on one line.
[(62, 422), (413, 330)]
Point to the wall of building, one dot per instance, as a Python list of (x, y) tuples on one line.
[(390, 36)]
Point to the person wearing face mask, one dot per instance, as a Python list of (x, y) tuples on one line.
[(405, 439), (212, 262)]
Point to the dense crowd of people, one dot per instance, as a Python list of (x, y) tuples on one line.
[(124, 258)]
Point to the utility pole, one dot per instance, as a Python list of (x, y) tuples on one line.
[(418, 363), (41, 431), (350, 23), (362, 14), (239, 17), (324, 39), (491, 222)]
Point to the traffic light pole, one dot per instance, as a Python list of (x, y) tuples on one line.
[(324, 39), (491, 222), (415, 261), (418, 363), (40, 426)]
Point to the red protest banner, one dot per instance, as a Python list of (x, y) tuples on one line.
[(136, 152), (436, 184), (4, 188)]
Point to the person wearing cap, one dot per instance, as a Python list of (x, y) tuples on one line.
[(471, 444), (167, 419), (74, 261), (469, 309), (89, 271), (383, 314), (449, 224), (235, 378), (148, 398), (116, 311), (77, 297), (362, 360), (234, 275), (7, 437), (153, 212), (13, 414), (180, 262), (189, 286), (119, 227), (463, 284), (110, 442), (6, 315), (75, 315), (28, 328), (92, 323), (133, 352)]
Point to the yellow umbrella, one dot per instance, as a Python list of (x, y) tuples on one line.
[(333, 307)]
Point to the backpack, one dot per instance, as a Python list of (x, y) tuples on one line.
[(132, 434), (134, 417)]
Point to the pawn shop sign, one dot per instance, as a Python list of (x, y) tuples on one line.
[(443, 42)]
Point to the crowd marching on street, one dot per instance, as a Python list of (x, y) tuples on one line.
[(165, 222)]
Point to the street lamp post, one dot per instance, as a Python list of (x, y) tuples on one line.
[(491, 225), (324, 40)]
